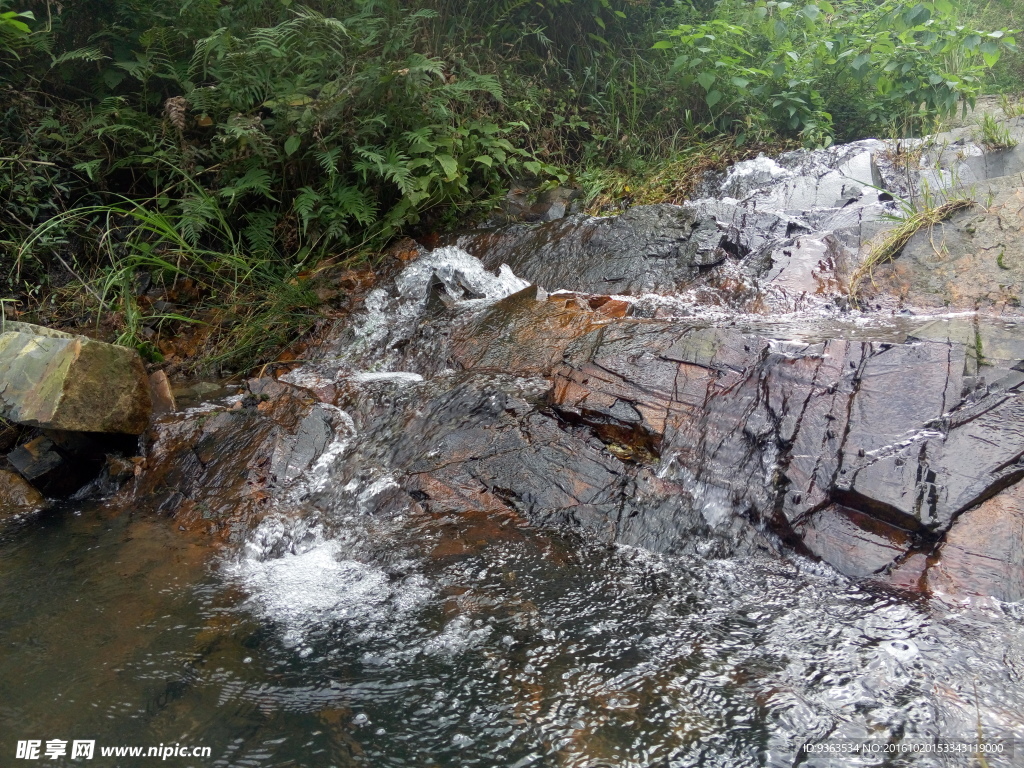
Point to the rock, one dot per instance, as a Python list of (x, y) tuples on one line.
[(802, 180), (524, 333), (810, 267), (975, 260), (37, 460), (983, 553), (161, 394), (9, 434), (220, 472), (60, 463), (784, 430), (494, 445), (855, 544), (647, 249), (17, 495), (59, 381)]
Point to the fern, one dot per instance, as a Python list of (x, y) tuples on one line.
[(258, 231), (307, 202)]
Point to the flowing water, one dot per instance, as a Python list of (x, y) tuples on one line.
[(349, 629)]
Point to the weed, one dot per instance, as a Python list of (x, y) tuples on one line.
[(672, 180), (995, 135), (1012, 106)]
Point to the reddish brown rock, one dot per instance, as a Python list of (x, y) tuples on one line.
[(218, 472), (161, 394), (983, 553), (524, 334), (910, 573), (17, 495)]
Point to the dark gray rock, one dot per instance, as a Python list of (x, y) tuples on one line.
[(647, 249)]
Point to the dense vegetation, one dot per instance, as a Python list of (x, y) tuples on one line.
[(232, 147)]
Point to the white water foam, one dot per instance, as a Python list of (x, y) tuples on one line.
[(321, 580), (391, 318)]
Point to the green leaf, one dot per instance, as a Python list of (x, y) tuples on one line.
[(291, 144), (990, 52), (484, 160), (740, 82), (448, 165), (662, 45), (713, 98), (811, 12), (860, 61), (706, 79)]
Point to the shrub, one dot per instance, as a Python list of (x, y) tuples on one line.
[(787, 67)]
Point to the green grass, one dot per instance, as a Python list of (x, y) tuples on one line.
[(995, 135), (254, 303)]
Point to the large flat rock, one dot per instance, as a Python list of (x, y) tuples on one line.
[(973, 261), (56, 380)]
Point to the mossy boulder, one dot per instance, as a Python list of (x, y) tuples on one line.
[(56, 380)]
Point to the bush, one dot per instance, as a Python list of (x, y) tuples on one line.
[(789, 68)]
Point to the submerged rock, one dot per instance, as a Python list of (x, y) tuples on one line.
[(56, 380), (17, 495)]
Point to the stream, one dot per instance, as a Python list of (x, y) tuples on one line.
[(425, 640)]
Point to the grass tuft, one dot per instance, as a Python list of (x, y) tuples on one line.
[(995, 135)]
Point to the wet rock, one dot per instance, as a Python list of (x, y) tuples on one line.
[(642, 250), (647, 249), (219, 471), (37, 461), (526, 332), (909, 574), (805, 271), (59, 381), (493, 449), (315, 432), (161, 394), (802, 180), (975, 260), (983, 553), (17, 495), (855, 544), (60, 463), (782, 430)]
